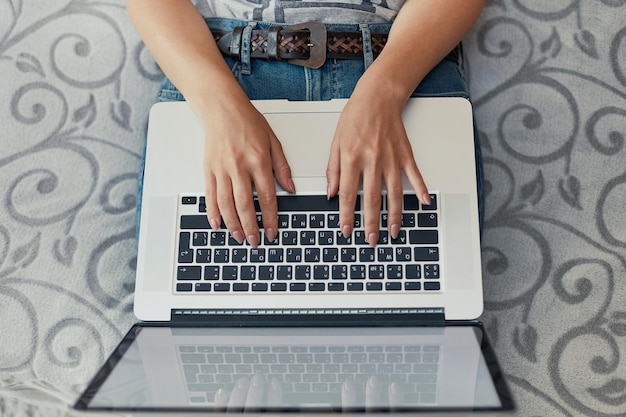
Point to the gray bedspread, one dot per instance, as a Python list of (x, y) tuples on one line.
[(549, 86)]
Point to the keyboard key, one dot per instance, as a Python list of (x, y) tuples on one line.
[(184, 287), (297, 286), (189, 200), (423, 237), (321, 272), (433, 203), (428, 253), (303, 272), (247, 273), (211, 272), (189, 273), (221, 287), (427, 220), (198, 221), (202, 287), (200, 238), (431, 271), (413, 272), (307, 203)]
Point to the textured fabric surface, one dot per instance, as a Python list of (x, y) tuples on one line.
[(549, 86)]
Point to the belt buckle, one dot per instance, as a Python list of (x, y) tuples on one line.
[(317, 44)]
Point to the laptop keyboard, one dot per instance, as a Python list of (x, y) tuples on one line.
[(310, 253), (312, 371)]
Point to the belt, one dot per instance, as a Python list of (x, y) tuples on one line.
[(307, 44)]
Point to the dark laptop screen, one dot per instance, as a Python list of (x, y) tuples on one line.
[(317, 370)]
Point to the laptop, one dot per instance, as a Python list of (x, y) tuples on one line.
[(311, 322)]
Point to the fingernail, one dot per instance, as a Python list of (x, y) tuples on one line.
[(238, 236), (372, 238), (292, 186), (270, 234), (395, 230), (426, 198), (346, 231), (328, 191), (253, 240), (214, 223)]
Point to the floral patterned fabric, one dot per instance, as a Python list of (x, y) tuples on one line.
[(549, 86)]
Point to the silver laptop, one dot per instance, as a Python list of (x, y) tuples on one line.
[(447, 275), (312, 321)]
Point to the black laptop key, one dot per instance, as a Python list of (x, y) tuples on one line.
[(432, 286), (411, 202), (297, 286), (433, 203), (427, 219), (189, 200), (221, 286), (184, 287), (197, 221), (187, 273), (307, 203), (426, 253), (423, 237)]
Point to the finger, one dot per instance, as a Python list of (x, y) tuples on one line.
[(348, 395), (372, 186), (395, 396), (220, 400), (333, 171), (256, 390), (393, 184), (348, 189), (275, 393), (210, 196), (415, 178), (238, 396), (374, 395), (226, 206), (244, 202), (281, 167), (266, 193)]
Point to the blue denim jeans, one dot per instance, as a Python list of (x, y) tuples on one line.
[(262, 79)]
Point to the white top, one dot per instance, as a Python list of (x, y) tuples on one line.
[(289, 12)]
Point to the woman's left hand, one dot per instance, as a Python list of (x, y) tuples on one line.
[(371, 144)]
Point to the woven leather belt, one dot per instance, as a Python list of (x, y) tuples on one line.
[(307, 44)]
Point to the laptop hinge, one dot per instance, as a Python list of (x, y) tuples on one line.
[(311, 317)]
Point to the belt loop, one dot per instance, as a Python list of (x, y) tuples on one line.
[(246, 49), (368, 55)]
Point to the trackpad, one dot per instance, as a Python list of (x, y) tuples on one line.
[(297, 137), (460, 246)]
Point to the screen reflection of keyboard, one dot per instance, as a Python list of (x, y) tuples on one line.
[(310, 253), (312, 371)]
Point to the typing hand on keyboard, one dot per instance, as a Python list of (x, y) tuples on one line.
[(257, 394), (371, 144)]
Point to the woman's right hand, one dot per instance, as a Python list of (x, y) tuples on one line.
[(242, 154)]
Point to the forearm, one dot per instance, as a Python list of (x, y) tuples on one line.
[(181, 43), (424, 32)]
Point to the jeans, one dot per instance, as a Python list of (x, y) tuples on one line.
[(262, 79)]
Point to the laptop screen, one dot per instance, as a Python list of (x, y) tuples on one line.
[(160, 368)]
